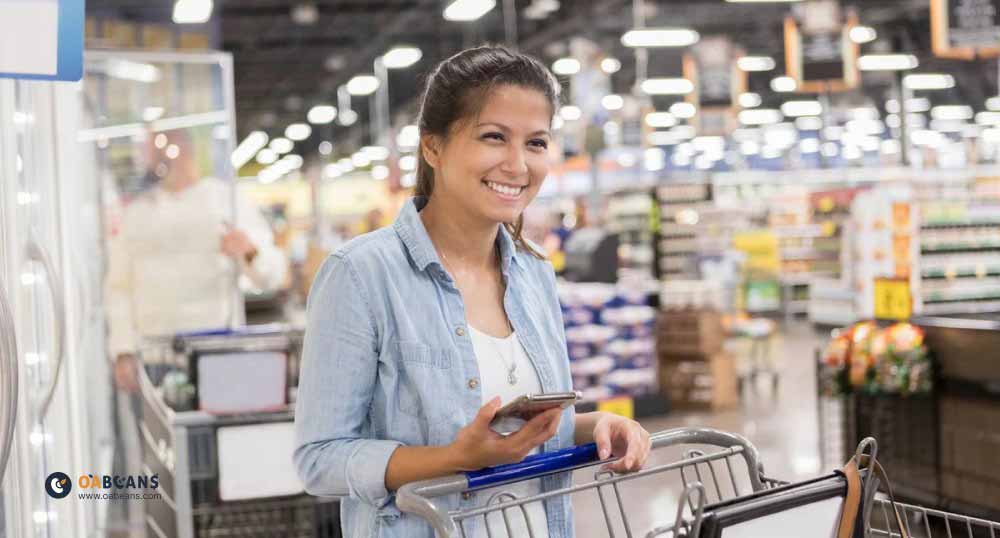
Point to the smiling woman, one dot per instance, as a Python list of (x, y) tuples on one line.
[(418, 333)]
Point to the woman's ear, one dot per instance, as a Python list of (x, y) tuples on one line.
[(430, 148)]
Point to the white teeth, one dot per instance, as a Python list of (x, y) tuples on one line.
[(503, 189)]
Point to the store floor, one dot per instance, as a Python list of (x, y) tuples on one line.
[(783, 427)]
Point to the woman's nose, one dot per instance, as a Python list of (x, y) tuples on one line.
[(515, 163)]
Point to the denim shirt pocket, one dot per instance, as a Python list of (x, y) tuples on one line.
[(423, 385)]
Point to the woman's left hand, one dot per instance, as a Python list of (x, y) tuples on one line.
[(617, 436)]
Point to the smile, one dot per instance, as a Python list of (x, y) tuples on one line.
[(505, 190)]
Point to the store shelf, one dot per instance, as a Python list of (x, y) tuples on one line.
[(956, 249), (966, 307), (959, 224)]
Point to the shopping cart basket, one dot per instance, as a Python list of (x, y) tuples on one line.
[(728, 468)]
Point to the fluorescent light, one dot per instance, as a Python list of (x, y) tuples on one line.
[(660, 119), (808, 123), (952, 112), (408, 137), (865, 127), (760, 116), (292, 161), (864, 113), (570, 113), (401, 57), (929, 81), (266, 156), (348, 117), (948, 126), (375, 153), (749, 147), (362, 85), (281, 145), (557, 122), (660, 37), (917, 121), (611, 65), (887, 62), (566, 66), (136, 71), (783, 84), (749, 100), (325, 147), (612, 102), (992, 135), (468, 10), (360, 160), (321, 114), (918, 104), (150, 113), (298, 131), (755, 63), (654, 159), (408, 163), (993, 104), (346, 164), (862, 34), (988, 118), (332, 170), (192, 11), (683, 110), (795, 109), (924, 137), (667, 86), (248, 148), (380, 172)]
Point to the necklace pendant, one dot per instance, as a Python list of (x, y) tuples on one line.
[(511, 378)]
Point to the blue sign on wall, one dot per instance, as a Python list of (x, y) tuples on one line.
[(41, 39)]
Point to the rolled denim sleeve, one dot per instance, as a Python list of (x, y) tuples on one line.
[(334, 453)]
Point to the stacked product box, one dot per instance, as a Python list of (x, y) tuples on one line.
[(609, 336), (694, 371)]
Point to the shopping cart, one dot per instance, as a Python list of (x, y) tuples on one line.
[(723, 466)]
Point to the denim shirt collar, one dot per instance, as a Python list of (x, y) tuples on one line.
[(411, 230)]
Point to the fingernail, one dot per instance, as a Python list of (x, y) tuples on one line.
[(604, 454)]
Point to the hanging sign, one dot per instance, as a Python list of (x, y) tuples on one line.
[(964, 29), (41, 39), (821, 58), (711, 68)]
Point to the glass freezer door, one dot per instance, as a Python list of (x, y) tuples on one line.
[(36, 130)]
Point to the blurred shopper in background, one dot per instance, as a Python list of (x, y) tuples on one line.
[(174, 264), (417, 333)]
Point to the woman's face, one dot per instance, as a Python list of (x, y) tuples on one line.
[(493, 164)]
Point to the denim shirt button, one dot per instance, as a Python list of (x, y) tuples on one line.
[(460, 331), (473, 383)]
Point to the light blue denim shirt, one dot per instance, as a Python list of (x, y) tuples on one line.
[(388, 361)]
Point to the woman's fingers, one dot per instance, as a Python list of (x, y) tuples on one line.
[(602, 436), (486, 413)]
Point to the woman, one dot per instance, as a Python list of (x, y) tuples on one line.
[(417, 333)]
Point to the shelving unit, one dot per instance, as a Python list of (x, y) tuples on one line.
[(630, 215), (683, 208), (960, 256)]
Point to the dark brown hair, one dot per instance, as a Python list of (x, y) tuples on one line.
[(457, 89)]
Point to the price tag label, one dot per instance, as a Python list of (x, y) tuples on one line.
[(622, 405), (893, 299)]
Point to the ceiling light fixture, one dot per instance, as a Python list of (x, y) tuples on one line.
[(749, 100), (660, 120), (755, 63), (611, 65), (298, 131), (862, 34), (566, 66), (660, 37), (248, 148), (760, 116), (192, 11), (281, 145), (795, 109), (667, 86), (361, 85), (468, 10), (887, 62), (612, 102), (683, 110), (401, 57), (321, 114), (929, 81), (784, 84)]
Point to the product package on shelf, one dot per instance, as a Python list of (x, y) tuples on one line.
[(609, 336), (700, 382)]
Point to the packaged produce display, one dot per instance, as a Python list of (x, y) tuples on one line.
[(868, 359), (609, 336)]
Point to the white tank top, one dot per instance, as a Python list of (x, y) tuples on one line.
[(496, 356)]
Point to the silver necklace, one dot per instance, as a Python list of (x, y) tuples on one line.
[(512, 366)]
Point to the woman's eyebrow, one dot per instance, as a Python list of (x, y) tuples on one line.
[(503, 127)]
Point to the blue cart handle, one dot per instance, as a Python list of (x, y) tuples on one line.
[(534, 466), (246, 330)]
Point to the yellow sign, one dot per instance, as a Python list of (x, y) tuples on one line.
[(622, 405), (761, 248), (893, 299)]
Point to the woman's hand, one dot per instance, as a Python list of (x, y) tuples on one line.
[(477, 445), (618, 436)]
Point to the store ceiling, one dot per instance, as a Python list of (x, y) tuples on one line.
[(284, 67)]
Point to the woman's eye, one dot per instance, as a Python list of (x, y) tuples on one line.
[(493, 136), (539, 143)]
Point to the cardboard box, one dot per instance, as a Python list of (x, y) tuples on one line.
[(689, 332), (707, 384)]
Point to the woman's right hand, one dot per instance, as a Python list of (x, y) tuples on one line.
[(477, 446)]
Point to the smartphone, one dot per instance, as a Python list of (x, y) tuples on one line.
[(513, 415)]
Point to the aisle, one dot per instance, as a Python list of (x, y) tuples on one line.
[(784, 429)]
